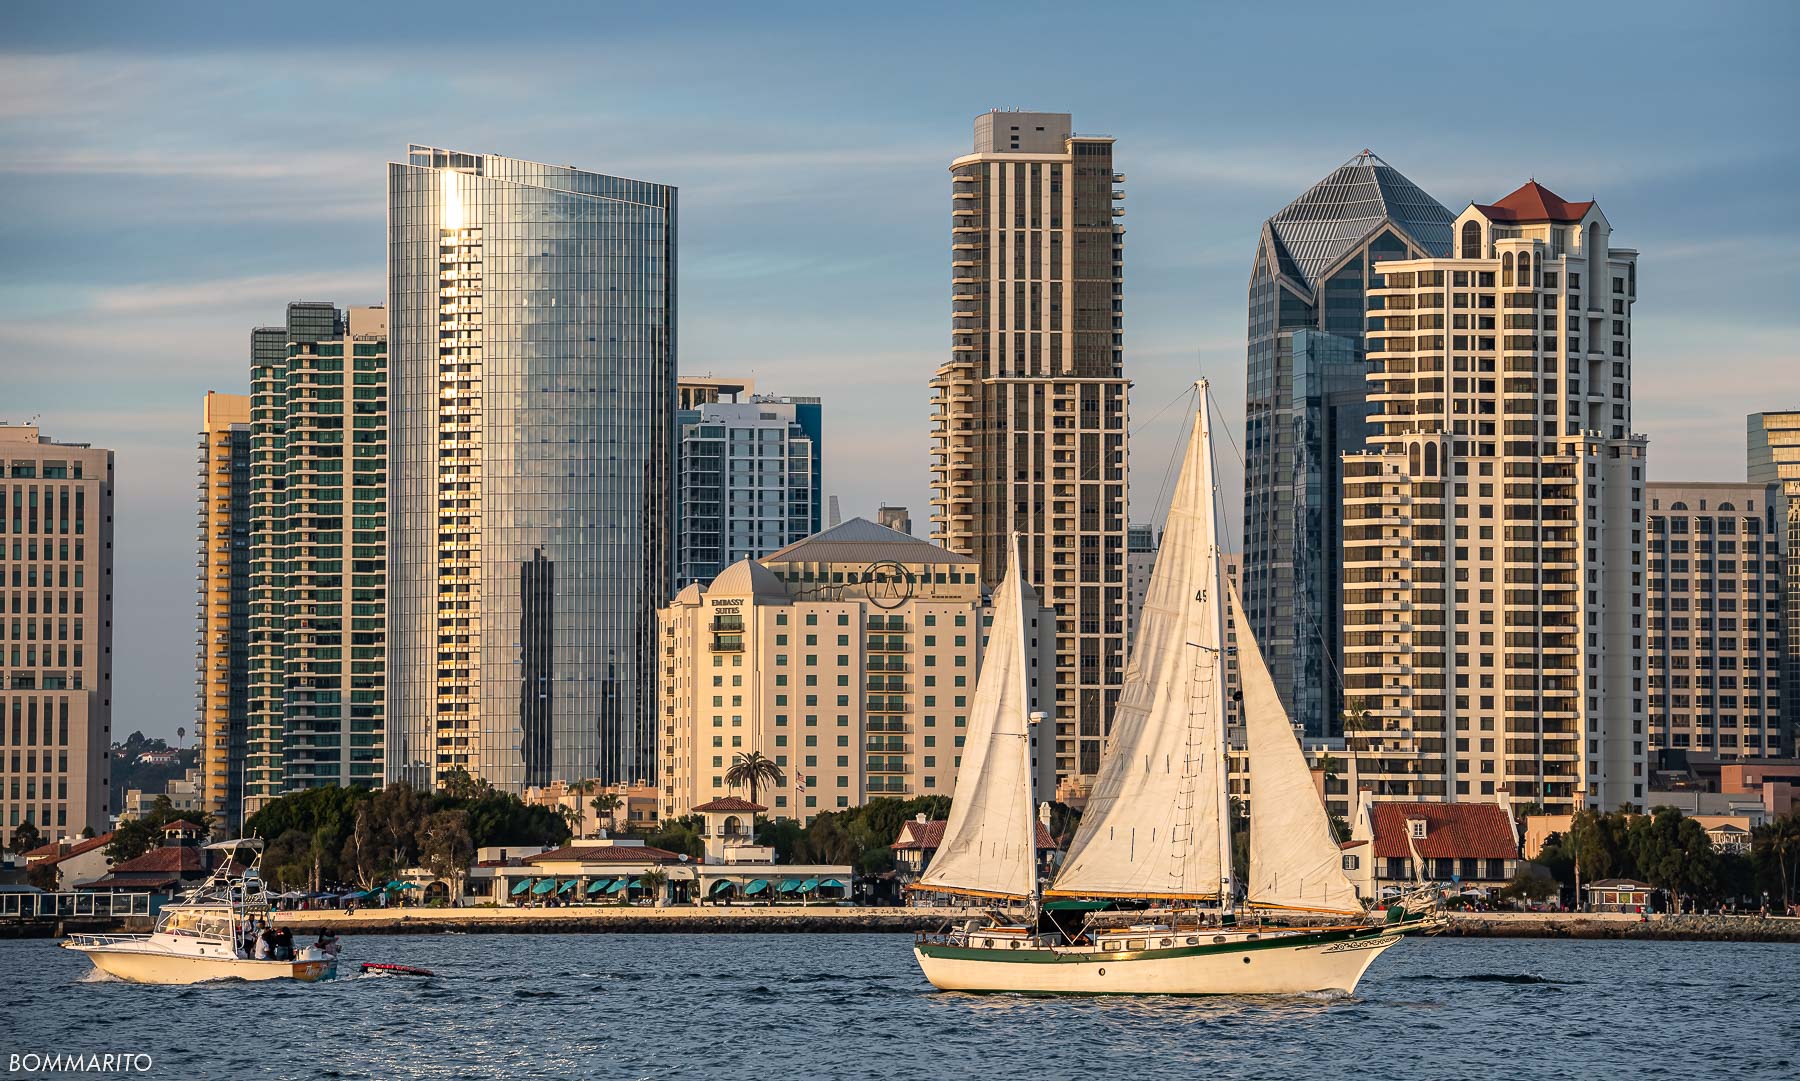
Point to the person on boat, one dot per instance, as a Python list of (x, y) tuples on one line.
[(327, 944), (283, 944), (265, 946)]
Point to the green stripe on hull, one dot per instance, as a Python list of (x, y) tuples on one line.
[(1054, 956)]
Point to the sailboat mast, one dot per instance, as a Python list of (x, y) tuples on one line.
[(1018, 599), (1215, 585)]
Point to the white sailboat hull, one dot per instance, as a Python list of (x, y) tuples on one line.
[(1282, 965)]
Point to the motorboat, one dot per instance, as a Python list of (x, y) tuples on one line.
[(197, 938)]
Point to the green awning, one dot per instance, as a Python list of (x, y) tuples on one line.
[(396, 885), (788, 885), (721, 886), (756, 885), (544, 886), (618, 886), (567, 887), (1077, 906), (809, 885), (636, 883), (523, 885), (598, 884), (831, 883)]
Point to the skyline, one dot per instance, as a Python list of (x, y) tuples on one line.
[(153, 226)]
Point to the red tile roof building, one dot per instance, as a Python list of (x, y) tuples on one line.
[(1468, 845)]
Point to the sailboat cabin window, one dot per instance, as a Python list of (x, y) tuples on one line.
[(1416, 827)]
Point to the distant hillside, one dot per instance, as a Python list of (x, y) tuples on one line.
[(129, 773)]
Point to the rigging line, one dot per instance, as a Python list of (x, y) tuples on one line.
[(1092, 472), (1243, 470), (1174, 450)]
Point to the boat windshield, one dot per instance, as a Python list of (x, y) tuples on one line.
[(208, 923)]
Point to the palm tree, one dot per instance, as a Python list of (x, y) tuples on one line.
[(605, 806), (752, 770), (580, 789)]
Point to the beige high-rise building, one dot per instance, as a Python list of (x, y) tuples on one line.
[(849, 658), (1029, 414), (1773, 446), (223, 661), (1494, 532), (56, 588), (1715, 619)]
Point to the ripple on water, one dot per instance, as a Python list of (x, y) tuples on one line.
[(854, 1006)]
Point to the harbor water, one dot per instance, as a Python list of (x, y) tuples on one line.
[(854, 1006)]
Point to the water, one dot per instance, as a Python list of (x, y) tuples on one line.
[(779, 1007)]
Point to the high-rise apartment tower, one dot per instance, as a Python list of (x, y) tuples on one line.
[(224, 648), (56, 587), (1029, 413), (747, 481), (1494, 530), (1715, 620), (532, 313), (318, 574)]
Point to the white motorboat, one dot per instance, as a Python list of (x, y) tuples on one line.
[(196, 939), (1157, 830)]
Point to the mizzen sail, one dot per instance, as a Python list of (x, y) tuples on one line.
[(990, 842), (1295, 861), (1152, 824)]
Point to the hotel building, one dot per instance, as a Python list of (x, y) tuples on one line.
[(1306, 406), (1029, 413), (1715, 619), (849, 659), (1494, 530), (223, 683), (532, 313), (56, 594)]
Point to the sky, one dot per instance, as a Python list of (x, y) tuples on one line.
[(172, 174)]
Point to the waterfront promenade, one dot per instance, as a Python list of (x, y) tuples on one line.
[(728, 919)]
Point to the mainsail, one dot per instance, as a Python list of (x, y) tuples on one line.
[(989, 846), (1154, 825), (1294, 860)]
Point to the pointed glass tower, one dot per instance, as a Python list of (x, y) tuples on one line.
[(1305, 405)]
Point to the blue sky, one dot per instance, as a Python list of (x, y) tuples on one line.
[(173, 173)]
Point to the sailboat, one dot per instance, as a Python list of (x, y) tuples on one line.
[(1156, 833)]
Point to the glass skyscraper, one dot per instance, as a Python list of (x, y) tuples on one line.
[(532, 312), (1305, 406)]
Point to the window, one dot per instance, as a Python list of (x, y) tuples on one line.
[(1415, 828)]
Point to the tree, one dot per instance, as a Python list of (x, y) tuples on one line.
[(1775, 853), (1673, 852), (141, 834), (1357, 717), (679, 835), (26, 837), (446, 849), (1600, 845), (606, 806), (751, 770), (1531, 882), (458, 784), (571, 817), (653, 881)]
